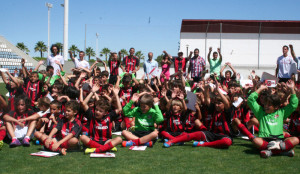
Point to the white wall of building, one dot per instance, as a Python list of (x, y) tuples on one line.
[(241, 49)]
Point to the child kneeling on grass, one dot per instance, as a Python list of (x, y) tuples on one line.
[(65, 134), (100, 125), (270, 119), (145, 119)]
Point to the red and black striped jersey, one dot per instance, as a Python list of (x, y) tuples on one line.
[(48, 126), (18, 116), (114, 67), (294, 127), (100, 130), (241, 113), (130, 63), (189, 124), (65, 127), (180, 64), (32, 90), (221, 122), (173, 122)]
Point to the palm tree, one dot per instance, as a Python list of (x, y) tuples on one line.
[(105, 51), (90, 52), (124, 52), (60, 46), (41, 47), (140, 55), (74, 49), (22, 47)]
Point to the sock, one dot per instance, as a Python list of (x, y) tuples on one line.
[(256, 129), (202, 128), (287, 135), (286, 145), (136, 142), (188, 137), (104, 148), (127, 122), (27, 137), (93, 144), (245, 131), (264, 145), (14, 138), (223, 143), (166, 135), (2, 134)]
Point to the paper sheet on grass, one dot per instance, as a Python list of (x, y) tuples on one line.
[(138, 148), (117, 133), (103, 155), (45, 154)]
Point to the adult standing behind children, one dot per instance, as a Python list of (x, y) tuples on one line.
[(55, 57), (215, 63), (80, 63), (284, 64), (131, 63), (197, 66), (150, 66)]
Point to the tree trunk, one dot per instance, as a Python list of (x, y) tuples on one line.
[(89, 57), (41, 54)]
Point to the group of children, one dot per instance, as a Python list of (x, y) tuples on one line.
[(62, 111)]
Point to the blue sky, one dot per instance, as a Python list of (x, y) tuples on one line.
[(125, 23)]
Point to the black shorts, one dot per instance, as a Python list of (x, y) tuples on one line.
[(117, 127), (209, 136), (141, 133), (100, 141)]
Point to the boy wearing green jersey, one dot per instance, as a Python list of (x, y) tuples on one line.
[(146, 116), (270, 117)]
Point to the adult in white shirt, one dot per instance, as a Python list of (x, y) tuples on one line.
[(80, 63), (55, 57), (284, 64), (150, 67)]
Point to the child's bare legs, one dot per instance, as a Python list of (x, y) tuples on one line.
[(238, 125), (139, 141), (253, 122), (11, 129), (31, 127), (100, 148), (199, 125)]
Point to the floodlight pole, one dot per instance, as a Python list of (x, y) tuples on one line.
[(66, 26), (97, 45), (48, 46)]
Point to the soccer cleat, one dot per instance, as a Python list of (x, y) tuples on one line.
[(114, 149), (25, 142), (128, 143), (265, 153), (274, 145), (1, 144), (166, 140), (289, 153), (168, 144), (89, 150), (15, 142), (148, 144), (197, 143)]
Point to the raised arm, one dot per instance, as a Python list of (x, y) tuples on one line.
[(71, 55), (224, 99), (38, 66), (115, 94), (4, 78), (208, 55), (233, 70), (219, 51)]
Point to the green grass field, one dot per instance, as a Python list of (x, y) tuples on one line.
[(241, 157)]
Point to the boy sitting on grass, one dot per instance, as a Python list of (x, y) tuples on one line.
[(270, 119), (145, 119), (65, 134)]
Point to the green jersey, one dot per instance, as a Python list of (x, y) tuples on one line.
[(271, 125), (143, 122), (215, 66)]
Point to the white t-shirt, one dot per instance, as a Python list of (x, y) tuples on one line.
[(284, 66), (51, 61), (81, 63)]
